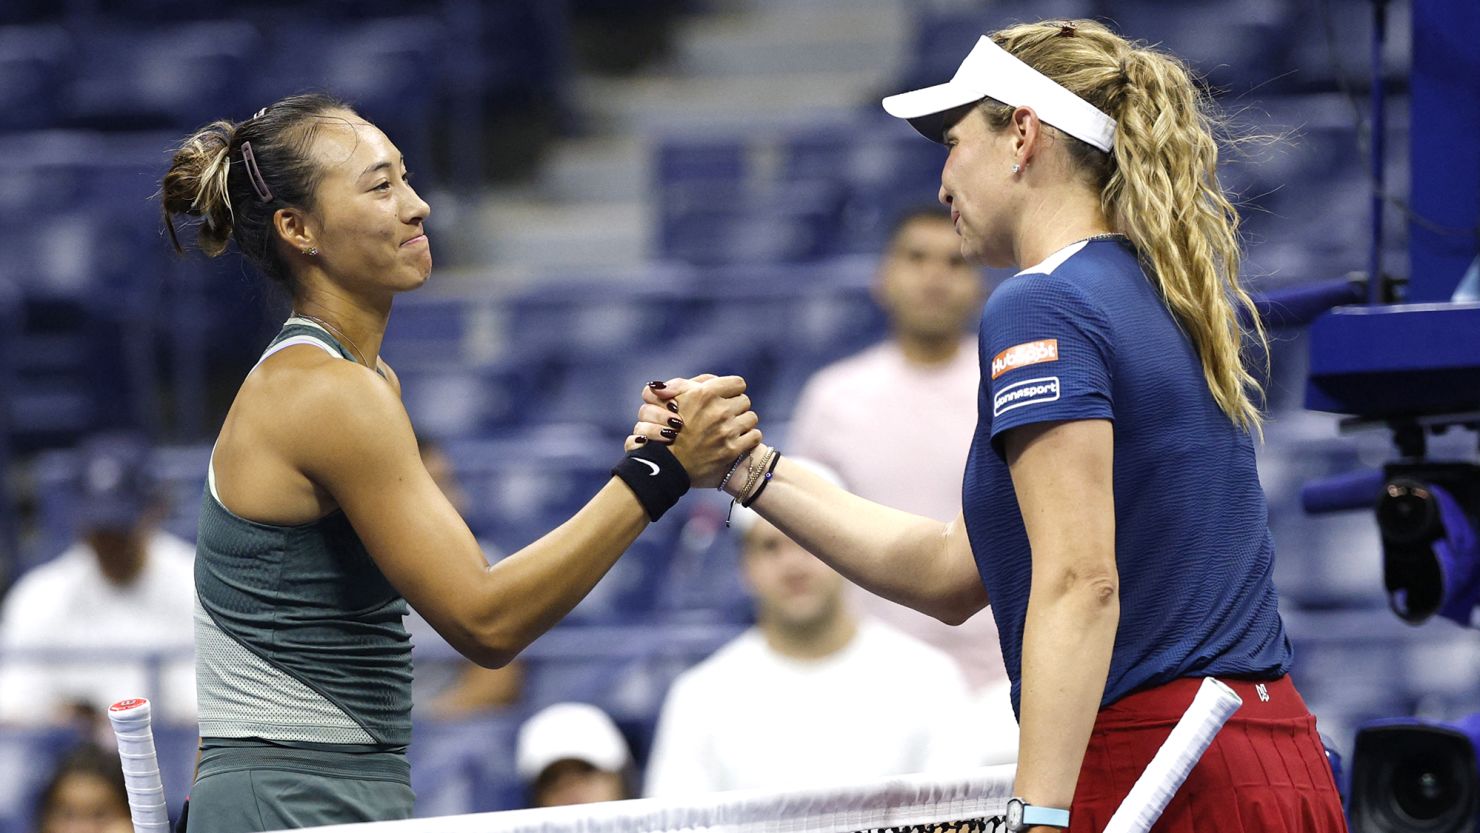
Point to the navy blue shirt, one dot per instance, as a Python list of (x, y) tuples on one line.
[(1085, 335)]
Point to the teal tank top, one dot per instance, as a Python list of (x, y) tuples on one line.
[(299, 637)]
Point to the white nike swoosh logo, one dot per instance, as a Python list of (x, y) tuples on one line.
[(650, 464)]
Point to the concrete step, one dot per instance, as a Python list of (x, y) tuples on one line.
[(647, 105), (606, 169), (541, 232), (870, 39)]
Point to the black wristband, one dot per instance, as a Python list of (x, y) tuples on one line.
[(655, 476)]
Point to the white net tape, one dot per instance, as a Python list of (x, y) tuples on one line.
[(968, 802)]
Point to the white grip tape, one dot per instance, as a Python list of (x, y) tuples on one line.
[(146, 802), (1210, 709)]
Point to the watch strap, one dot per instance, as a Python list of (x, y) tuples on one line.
[(1046, 816)]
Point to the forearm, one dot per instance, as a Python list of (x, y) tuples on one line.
[(1067, 641), (893, 554), (530, 591)]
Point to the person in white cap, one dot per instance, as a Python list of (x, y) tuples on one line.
[(812, 694), (1111, 511), (572, 753)]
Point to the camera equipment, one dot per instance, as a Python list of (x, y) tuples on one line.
[(1409, 776)]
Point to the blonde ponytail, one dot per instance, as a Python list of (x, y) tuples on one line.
[(1160, 188), (1164, 194)]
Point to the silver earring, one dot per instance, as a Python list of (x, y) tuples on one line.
[(311, 252), (1016, 167)]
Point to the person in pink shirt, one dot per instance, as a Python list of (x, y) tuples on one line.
[(896, 422)]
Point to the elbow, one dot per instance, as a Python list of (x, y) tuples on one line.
[(952, 616), (957, 608), (490, 646), (490, 653)]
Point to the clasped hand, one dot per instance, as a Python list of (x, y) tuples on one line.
[(706, 421)]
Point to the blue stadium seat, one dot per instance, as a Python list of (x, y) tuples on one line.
[(168, 77), (605, 391), (567, 321), (716, 224), (35, 64), (466, 766)]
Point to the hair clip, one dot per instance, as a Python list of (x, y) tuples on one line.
[(261, 112), (254, 173), (1067, 28)]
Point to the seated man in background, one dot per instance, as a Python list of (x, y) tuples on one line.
[(572, 753), (125, 587), (811, 694), (897, 420)]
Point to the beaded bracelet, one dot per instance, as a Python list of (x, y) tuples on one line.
[(765, 481)]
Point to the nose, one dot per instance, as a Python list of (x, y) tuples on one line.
[(944, 196), (417, 208)]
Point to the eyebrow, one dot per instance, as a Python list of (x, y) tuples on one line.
[(378, 166)]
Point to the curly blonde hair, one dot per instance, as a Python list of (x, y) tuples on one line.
[(1159, 187)]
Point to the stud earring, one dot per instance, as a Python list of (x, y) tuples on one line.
[(1016, 167), (311, 252)]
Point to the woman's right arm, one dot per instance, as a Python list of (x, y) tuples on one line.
[(909, 559), (915, 561), (369, 462)]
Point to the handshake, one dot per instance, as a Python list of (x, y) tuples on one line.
[(706, 422)]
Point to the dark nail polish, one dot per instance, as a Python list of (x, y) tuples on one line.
[(675, 422), (639, 440), (673, 406), (669, 433), (656, 385)]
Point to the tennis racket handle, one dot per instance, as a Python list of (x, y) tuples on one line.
[(134, 730), (1210, 709)]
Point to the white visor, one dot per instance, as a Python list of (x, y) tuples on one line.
[(991, 71)]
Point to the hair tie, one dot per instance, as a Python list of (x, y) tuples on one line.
[(1067, 28), (254, 173)]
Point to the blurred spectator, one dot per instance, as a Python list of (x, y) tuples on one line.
[(572, 753), (811, 694), (85, 794), (472, 688), (896, 421), (126, 587)]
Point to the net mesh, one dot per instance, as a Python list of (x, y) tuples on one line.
[(969, 802)]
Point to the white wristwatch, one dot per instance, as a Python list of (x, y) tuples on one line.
[(1021, 816)]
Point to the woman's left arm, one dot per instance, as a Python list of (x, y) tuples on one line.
[(1062, 473)]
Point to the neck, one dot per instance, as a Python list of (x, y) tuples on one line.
[(928, 351), (1057, 220), (359, 321), (812, 640), (121, 565)]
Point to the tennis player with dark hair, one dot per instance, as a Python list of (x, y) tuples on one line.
[(1111, 506), (320, 522)]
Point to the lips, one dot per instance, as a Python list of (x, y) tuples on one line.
[(420, 238)]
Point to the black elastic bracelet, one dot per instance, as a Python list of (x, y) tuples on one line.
[(655, 476), (765, 479)]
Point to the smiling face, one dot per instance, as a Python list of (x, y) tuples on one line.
[(974, 186), (367, 220)]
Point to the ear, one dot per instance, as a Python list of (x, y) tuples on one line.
[(1027, 132), (296, 229)]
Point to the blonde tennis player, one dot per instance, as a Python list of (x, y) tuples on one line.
[(1111, 507)]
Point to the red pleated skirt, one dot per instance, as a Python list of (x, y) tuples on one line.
[(1265, 771)]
